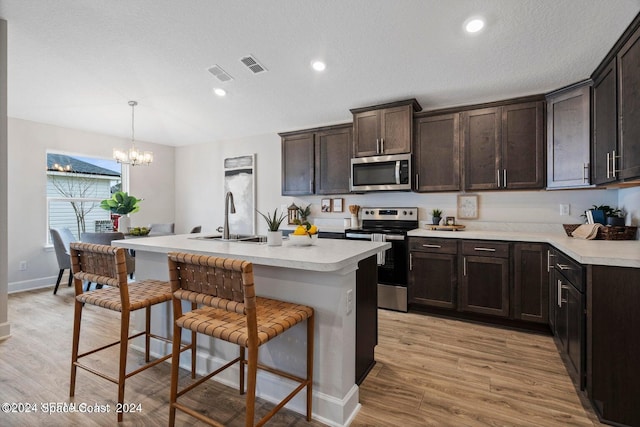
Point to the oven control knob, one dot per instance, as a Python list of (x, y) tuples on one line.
[(404, 212)]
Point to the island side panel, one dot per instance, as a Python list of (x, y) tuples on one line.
[(336, 395)]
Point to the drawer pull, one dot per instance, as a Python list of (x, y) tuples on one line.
[(431, 246), (563, 266), (485, 249)]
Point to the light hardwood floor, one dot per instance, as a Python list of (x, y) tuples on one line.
[(430, 371)]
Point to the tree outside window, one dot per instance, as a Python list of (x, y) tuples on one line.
[(75, 187)]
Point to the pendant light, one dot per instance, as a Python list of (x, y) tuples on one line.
[(133, 157)]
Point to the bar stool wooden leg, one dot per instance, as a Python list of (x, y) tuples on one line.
[(122, 367), (147, 334), (175, 368), (310, 347), (77, 316), (252, 372), (242, 364), (194, 346)]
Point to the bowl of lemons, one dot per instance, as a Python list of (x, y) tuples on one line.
[(304, 235)]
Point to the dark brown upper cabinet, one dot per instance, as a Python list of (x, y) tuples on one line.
[(333, 153), (298, 164), (615, 151), (504, 147), (316, 161), (629, 108), (605, 126), (569, 136), (437, 153), (383, 129)]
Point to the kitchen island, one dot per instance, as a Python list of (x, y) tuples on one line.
[(323, 276)]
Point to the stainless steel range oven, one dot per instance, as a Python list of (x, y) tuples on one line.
[(390, 225)]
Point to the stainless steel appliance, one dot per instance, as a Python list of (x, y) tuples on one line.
[(380, 173), (390, 225)]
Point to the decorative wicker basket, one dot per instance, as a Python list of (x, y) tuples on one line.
[(608, 232)]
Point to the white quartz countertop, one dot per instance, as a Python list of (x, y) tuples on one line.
[(325, 255), (620, 253)]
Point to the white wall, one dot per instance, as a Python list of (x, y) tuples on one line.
[(28, 143), (4, 324), (200, 180), (200, 197)]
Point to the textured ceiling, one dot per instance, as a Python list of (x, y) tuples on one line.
[(76, 63)]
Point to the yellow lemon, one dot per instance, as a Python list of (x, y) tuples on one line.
[(313, 230), (300, 230)]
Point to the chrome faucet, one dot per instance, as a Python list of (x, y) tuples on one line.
[(228, 197)]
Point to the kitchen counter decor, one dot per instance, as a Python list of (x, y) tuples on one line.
[(608, 232)]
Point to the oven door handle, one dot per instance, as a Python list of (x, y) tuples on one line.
[(398, 172), (360, 236)]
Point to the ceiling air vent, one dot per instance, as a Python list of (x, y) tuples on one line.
[(219, 73), (252, 63)]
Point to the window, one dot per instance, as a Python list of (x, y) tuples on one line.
[(75, 187)]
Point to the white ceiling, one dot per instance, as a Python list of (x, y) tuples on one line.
[(76, 63)]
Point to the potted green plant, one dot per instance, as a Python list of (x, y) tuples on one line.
[(436, 216), (122, 204), (274, 235), (303, 213), (611, 215)]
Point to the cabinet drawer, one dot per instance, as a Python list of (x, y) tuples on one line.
[(485, 248), (443, 246), (570, 269)]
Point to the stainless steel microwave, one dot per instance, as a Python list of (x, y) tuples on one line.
[(381, 173)]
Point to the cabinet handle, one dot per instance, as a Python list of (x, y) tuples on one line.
[(484, 249), (498, 177), (311, 186), (549, 265), (504, 178), (410, 261), (432, 246), (377, 145), (464, 266), (417, 181), (608, 165), (563, 266), (559, 293), (381, 145), (613, 164)]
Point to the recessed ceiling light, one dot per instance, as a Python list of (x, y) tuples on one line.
[(219, 91), (474, 25), (318, 65)]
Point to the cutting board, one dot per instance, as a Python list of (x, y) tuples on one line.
[(445, 227)]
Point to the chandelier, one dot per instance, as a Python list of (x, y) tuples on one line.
[(133, 156)]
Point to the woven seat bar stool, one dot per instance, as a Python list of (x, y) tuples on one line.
[(106, 265), (229, 310)]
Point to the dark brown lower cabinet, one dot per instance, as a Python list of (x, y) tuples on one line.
[(530, 282), (366, 316), (613, 343), (433, 272), (484, 284)]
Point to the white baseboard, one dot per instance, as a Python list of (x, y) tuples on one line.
[(39, 283)]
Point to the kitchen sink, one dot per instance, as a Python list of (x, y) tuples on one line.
[(242, 238)]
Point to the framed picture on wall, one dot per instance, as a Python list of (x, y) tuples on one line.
[(468, 206), (325, 205), (336, 205)]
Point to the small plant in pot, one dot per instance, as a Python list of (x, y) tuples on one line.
[(436, 215), (274, 236)]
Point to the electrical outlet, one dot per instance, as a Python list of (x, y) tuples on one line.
[(349, 301), (23, 265), (565, 209)]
